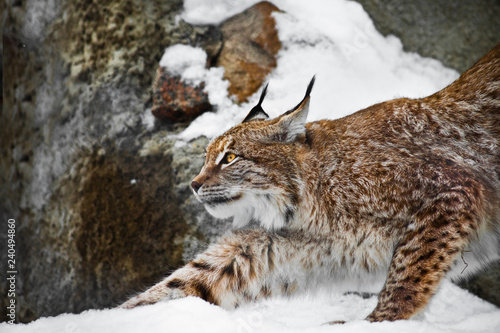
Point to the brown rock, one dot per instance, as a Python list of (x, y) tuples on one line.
[(177, 101), (250, 45)]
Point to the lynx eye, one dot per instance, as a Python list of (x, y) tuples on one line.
[(228, 158)]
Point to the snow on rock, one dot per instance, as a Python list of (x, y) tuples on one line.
[(336, 41), (451, 310), (185, 61)]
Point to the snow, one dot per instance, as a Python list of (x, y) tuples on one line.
[(451, 310), (148, 120), (354, 64), (186, 61)]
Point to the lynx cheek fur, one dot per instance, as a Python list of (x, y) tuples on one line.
[(405, 192)]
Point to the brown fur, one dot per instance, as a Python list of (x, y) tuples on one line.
[(399, 190)]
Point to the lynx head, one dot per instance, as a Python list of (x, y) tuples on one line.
[(250, 171)]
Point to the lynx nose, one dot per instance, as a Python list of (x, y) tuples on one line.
[(198, 181), (195, 185)]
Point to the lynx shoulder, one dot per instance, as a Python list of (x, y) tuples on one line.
[(393, 197)]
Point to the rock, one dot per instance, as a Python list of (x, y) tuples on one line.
[(175, 100), (485, 284), (250, 45), (208, 37), (457, 33)]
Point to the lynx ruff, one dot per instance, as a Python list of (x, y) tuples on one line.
[(396, 196)]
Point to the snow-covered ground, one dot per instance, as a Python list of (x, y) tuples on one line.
[(451, 310), (355, 67)]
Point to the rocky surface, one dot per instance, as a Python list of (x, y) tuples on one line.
[(457, 33), (250, 46), (176, 101), (98, 188), (485, 284)]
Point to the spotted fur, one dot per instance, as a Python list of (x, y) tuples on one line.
[(394, 197)]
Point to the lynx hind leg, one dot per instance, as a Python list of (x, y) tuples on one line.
[(229, 273), (424, 256)]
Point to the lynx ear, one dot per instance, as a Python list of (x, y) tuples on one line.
[(291, 125), (257, 113)]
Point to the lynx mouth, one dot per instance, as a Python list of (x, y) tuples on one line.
[(220, 200)]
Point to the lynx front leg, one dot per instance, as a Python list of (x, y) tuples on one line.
[(242, 267), (423, 258), (227, 273)]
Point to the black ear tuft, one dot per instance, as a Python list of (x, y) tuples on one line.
[(310, 86), (263, 94), (308, 93), (257, 112)]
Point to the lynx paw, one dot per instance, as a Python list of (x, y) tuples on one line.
[(133, 302), (152, 296)]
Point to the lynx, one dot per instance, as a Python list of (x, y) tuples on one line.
[(396, 196)]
